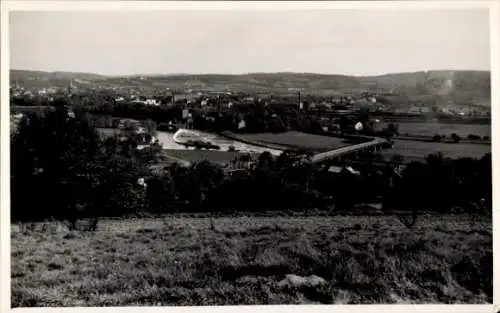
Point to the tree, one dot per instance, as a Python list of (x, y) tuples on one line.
[(439, 181), (54, 164), (276, 125), (150, 126), (455, 138), (393, 129), (436, 138), (61, 168), (473, 137), (466, 180), (265, 161), (205, 177), (397, 159), (346, 125), (119, 191)]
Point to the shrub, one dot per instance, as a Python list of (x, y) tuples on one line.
[(473, 137)]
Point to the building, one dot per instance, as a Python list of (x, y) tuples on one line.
[(14, 121), (343, 170)]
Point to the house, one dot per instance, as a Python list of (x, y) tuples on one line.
[(343, 170), (242, 160), (14, 121), (126, 123), (352, 171), (335, 169), (141, 182)]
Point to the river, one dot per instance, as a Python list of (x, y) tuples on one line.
[(167, 142)]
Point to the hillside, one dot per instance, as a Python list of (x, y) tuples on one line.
[(461, 86), (40, 79)]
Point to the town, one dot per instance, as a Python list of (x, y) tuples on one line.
[(320, 158), (213, 152)]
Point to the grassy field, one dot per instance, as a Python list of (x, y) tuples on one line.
[(295, 139), (433, 128), (417, 150), (241, 260)]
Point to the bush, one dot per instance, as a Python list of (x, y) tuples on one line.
[(437, 138), (393, 129), (163, 127), (473, 137)]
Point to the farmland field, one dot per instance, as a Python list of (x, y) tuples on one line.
[(418, 150), (295, 139), (241, 260), (433, 128)]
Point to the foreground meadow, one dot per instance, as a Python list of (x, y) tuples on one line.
[(244, 260)]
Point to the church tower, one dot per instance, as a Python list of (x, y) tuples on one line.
[(70, 88)]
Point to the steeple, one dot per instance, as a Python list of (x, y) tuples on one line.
[(70, 87)]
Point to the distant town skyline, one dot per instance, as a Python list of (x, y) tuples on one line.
[(344, 42)]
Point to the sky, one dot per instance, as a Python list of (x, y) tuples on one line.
[(350, 42)]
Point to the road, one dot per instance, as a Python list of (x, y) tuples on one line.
[(320, 157)]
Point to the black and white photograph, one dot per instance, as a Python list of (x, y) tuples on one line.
[(214, 156)]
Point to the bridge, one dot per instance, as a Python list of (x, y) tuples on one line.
[(373, 145)]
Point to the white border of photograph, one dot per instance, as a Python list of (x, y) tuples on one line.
[(10, 5)]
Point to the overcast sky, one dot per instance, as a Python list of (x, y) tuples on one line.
[(366, 42)]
